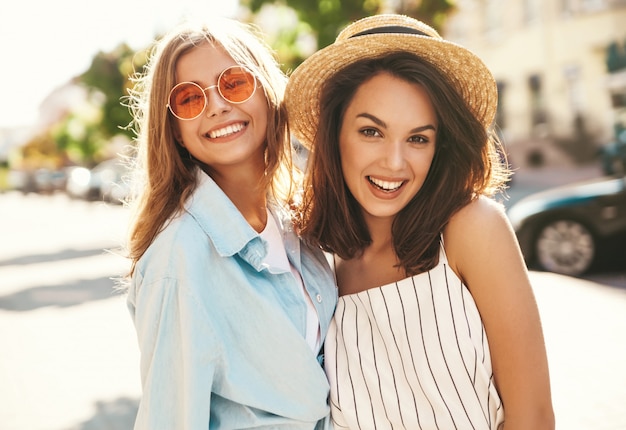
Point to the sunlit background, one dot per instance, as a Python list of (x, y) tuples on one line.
[(45, 43), (559, 64)]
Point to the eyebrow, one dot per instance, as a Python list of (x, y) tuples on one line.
[(383, 124)]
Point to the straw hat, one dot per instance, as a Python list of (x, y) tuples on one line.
[(376, 36)]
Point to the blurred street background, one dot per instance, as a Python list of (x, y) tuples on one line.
[(68, 354)]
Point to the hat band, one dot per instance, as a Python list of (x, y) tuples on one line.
[(390, 29)]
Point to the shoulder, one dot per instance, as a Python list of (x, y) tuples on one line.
[(480, 211), (479, 235), (476, 221), (181, 233), (177, 250)]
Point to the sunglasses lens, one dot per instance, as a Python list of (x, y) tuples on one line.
[(237, 84), (187, 100)]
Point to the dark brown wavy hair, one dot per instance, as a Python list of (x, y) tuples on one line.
[(466, 164)]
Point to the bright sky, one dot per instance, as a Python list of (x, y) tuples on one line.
[(44, 43)]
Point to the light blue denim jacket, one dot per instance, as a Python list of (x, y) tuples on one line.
[(221, 338)]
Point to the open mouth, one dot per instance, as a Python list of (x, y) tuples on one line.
[(227, 131), (386, 186)]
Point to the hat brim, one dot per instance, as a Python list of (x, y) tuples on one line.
[(464, 70)]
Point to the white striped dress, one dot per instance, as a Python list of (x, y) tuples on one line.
[(411, 355)]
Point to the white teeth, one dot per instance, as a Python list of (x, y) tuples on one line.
[(226, 130), (385, 185)]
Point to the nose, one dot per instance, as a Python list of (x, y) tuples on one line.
[(215, 102), (395, 155)]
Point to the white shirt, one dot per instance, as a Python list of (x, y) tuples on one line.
[(277, 262)]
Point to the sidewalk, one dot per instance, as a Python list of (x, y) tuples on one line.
[(68, 357)]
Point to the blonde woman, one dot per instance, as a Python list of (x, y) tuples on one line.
[(229, 307)]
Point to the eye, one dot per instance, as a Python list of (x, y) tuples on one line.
[(419, 139), (187, 94), (370, 132), (191, 98), (233, 84)]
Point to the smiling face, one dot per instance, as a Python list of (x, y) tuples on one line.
[(387, 144), (224, 135)]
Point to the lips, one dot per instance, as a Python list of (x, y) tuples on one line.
[(227, 131), (386, 186)]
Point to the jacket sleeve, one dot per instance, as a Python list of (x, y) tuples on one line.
[(178, 357)]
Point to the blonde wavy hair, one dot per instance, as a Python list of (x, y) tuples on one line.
[(164, 173)]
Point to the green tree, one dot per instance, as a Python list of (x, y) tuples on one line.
[(432, 12), (326, 18), (41, 151), (109, 74), (86, 131), (80, 134)]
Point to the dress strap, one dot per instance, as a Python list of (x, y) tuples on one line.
[(442, 250)]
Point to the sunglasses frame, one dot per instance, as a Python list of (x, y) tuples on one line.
[(204, 90)]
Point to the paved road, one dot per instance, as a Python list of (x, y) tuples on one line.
[(68, 357)]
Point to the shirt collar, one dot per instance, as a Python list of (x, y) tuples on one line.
[(220, 219)]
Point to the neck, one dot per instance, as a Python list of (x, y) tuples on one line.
[(381, 249), (380, 233), (247, 192)]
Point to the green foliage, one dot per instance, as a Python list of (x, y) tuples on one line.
[(109, 75), (326, 18), (80, 137), (41, 151), (432, 12), (87, 130)]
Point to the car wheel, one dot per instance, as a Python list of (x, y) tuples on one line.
[(566, 247)]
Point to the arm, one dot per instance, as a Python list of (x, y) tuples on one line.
[(482, 249), (177, 367)]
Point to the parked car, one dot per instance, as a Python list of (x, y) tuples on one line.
[(22, 180), (107, 182), (48, 181), (43, 180), (573, 228)]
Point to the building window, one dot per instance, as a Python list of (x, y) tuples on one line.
[(538, 112)]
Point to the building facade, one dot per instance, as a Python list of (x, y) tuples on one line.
[(551, 61)]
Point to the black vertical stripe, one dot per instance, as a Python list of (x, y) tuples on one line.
[(469, 330), (371, 331), (432, 373), (358, 348), (452, 339), (349, 369), (419, 379), (398, 349), (376, 357), (445, 361), (456, 336), (408, 342)]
